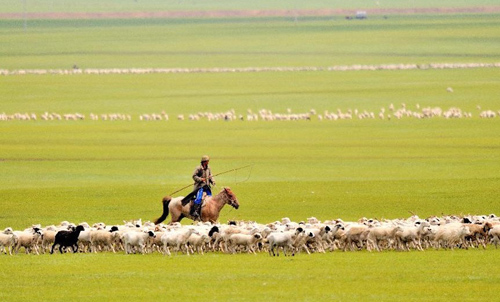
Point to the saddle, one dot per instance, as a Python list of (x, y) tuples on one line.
[(191, 197)]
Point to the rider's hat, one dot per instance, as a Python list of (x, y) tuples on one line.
[(205, 158)]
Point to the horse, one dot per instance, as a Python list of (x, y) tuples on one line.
[(210, 209)]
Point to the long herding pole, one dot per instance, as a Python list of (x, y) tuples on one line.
[(211, 176)]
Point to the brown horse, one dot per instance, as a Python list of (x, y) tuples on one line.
[(209, 212)]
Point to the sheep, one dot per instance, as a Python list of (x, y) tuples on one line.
[(227, 231), (28, 239), (198, 242), (412, 234), (67, 238), (247, 240), (301, 239), (134, 239), (450, 235), (48, 239), (176, 238), (104, 240), (355, 236), (282, 240), (380, 234), (478, 234), (84, 243), (332, 236), (494, 233), (7, 240)]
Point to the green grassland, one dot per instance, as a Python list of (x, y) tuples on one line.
[(113, 171), (266, 42), (187, 5)]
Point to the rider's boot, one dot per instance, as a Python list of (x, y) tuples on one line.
[(195, 211)]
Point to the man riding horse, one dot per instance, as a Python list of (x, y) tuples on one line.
[(203, 180)]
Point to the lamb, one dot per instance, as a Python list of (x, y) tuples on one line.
[(247, 240), (67, 238), (133, 239)]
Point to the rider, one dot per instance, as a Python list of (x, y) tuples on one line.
[(203, 180)]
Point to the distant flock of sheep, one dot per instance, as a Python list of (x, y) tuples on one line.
[(76, 70), (391, 112), (285, 236)]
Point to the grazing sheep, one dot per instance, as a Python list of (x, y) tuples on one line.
[(67, 238)]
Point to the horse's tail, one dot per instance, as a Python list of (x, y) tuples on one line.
[(166, 201)]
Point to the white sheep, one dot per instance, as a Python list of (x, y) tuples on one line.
[(28, 239), (450, 235), (412, 234), (244, 240), (136, 240), (284, 240), (382, 234), (494, 234), (7, 240), (197, 242), (104, 240), (355, 236), (176, 238)]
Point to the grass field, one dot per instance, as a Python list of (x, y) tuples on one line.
[(186, 5), (260, 42), (113, 171)]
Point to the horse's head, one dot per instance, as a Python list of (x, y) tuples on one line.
[(231, 198)]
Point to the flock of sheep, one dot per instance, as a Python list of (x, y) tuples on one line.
[(286, 236), (76, 70), (391, 112)]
